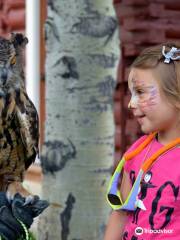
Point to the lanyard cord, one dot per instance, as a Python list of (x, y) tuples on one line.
[(113, 194), (146, 165), (162, 150), (27, 237), (130, 155)]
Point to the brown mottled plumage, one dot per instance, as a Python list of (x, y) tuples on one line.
[(18, 117)]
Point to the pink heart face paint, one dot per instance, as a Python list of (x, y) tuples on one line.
[(148, 104)]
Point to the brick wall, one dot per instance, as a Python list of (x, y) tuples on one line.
[(12, 16)]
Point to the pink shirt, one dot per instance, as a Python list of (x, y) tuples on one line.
[(158, 214)]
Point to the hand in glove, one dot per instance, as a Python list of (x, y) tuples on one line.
[(17, 210), (26, 212), (10, 228)]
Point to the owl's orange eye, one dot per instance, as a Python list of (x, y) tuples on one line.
[(13, 60)]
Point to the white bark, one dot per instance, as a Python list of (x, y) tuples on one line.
[(81, 68)]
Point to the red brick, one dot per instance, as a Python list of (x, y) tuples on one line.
[(132, 24), (135, 2), (139, 37), (1, 4), (133, 50), (118, 137), (15, 19), (14, 4), (124, 11), (117, 112), (117, 95), (173, 4), (117, 157), (161, 11)]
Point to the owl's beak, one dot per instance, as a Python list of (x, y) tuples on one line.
[(4, 74)]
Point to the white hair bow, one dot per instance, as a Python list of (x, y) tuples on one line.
[(170, 55)]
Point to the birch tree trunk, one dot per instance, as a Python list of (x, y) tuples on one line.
[(81, 68)]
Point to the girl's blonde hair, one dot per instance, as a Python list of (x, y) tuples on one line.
[(167, 74)]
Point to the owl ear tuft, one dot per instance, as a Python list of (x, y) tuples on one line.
[(18, 39)]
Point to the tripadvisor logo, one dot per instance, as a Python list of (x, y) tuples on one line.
[(139, 231)]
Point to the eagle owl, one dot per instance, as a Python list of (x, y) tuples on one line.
[(19, 131)]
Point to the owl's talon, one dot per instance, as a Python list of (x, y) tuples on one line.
[(29, 200), (9, 196)]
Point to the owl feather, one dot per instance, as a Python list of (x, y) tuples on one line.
[(19, 124)]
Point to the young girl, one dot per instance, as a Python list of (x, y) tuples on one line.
[(147, 202)]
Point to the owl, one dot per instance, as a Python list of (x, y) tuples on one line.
[(19, 124)]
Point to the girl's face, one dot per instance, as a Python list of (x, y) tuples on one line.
[(148, 103)]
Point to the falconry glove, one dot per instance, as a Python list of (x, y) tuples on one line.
[(17, 213), (26, 212)]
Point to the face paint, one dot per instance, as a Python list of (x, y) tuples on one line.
[(133, 86), (138, 83), (149, 106), (141, 94), (150, 97), (134, 100)]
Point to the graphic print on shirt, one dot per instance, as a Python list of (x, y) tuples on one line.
[(145, 185), (157, 206), (168, 209), (132, 177), (125, 237)]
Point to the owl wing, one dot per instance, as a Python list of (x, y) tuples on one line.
[(28, 122)]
